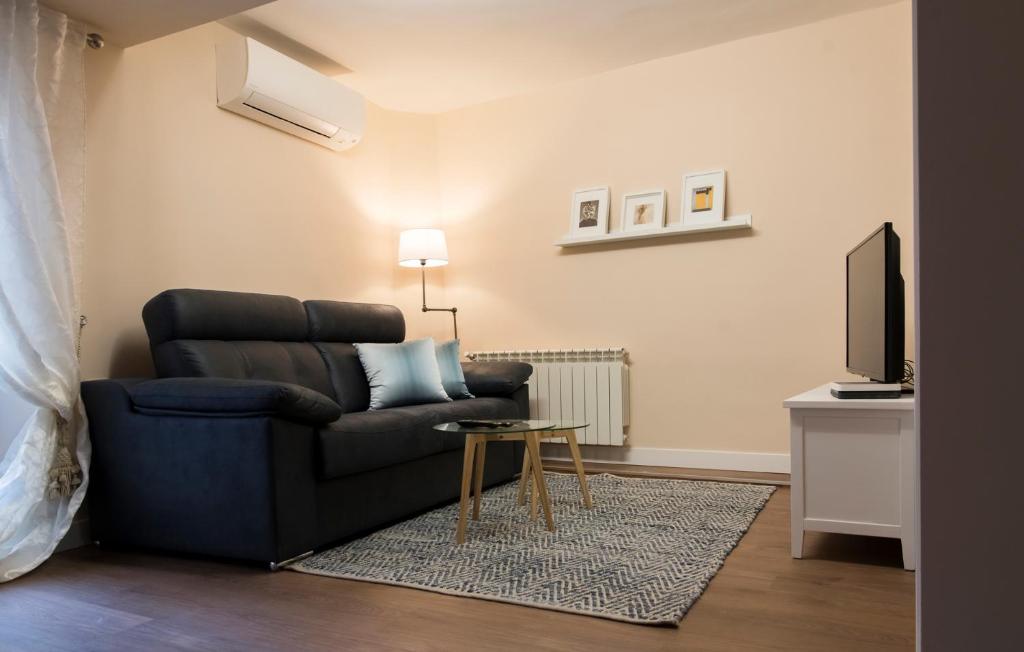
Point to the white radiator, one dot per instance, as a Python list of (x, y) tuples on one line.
[(590, 385)]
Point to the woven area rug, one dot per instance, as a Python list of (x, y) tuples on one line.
[(643, 554)]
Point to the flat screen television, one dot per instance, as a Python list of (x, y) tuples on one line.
[(874, 307)]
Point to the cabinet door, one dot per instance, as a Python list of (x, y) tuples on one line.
[(852, 470)]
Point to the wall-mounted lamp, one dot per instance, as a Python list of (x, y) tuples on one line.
[(425, 248)]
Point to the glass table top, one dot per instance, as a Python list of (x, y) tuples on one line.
[(527, 425)]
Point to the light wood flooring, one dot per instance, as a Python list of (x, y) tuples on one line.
[(849, 593)]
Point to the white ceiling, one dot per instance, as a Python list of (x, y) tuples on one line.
[(435, 55), (129, 22)]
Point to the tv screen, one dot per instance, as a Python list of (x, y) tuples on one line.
[(874, 307)]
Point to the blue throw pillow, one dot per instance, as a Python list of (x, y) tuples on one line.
[(402, 374), (452, 378)]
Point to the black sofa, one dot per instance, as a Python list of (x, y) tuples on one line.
[(256, 443)]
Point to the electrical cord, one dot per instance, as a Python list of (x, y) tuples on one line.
[(908, 373)]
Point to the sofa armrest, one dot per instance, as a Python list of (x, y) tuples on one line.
[(495, 378), (230, 397), (236, 485)]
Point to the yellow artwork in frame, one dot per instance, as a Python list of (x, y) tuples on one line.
[(703, 197)]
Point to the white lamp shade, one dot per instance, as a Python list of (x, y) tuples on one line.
[(422, 248)]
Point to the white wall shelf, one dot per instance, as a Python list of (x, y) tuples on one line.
[(729, 224)]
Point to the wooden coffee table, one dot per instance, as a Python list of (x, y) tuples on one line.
[(532, 432)]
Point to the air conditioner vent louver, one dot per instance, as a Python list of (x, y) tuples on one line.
[(291, 115), (263, 84)]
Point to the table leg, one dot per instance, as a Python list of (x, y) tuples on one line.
[(533, 495), (478, 481), (533, 445), (524, 477), (467, 474), (577, 461)]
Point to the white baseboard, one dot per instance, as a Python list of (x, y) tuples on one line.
[(678, 457)]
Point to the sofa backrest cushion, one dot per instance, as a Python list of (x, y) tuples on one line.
[(298, 363), (334, 326), (342, 321), (210, 333), (217, 315), (351, 389)]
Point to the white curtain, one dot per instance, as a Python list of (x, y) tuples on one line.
[(42, 130)]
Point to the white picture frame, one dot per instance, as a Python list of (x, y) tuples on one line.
[(589, 215), (643, 211), (703, 200)]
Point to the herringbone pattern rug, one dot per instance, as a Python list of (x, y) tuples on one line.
[(643, 554)]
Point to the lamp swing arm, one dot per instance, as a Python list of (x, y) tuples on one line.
[(423, 288)]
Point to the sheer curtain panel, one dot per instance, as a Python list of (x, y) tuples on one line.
[(43, 474)]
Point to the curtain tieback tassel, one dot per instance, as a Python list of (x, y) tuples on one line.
[(66, 474)]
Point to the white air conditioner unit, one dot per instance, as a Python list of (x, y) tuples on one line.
[(263, 84)]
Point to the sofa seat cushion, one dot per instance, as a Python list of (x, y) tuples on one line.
[(365, 441)]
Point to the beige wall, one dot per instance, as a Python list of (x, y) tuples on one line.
[(813, 126), (183, 194)]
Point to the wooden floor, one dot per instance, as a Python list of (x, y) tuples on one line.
[(850, 593)]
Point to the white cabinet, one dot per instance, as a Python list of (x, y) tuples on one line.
[(853, 468)]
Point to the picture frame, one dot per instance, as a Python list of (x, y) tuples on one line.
[(589, 215), (643, 211), (703, 200)]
